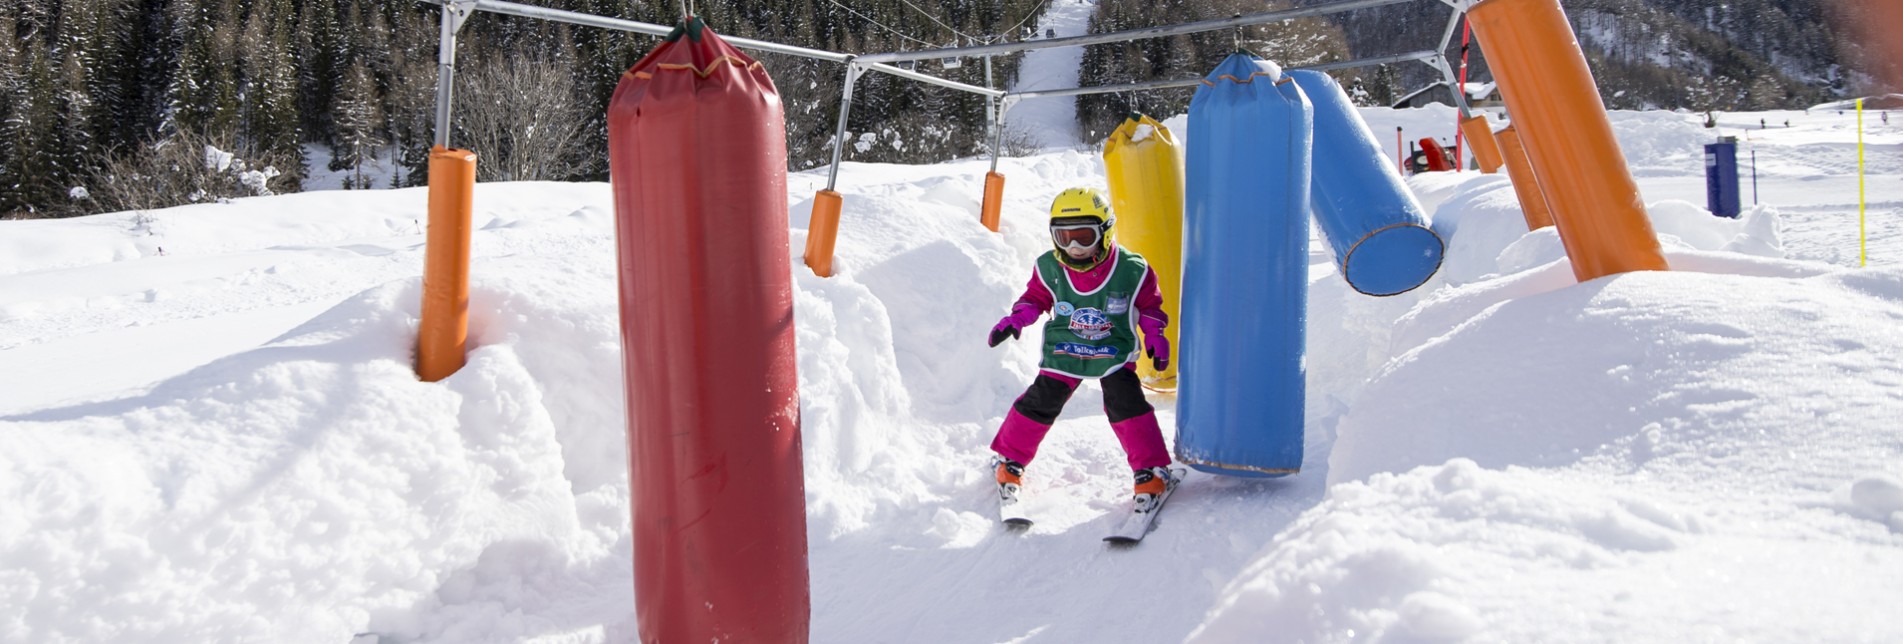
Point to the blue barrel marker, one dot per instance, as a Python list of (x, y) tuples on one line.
[(1721, 177), (1245, 272), (1377, 229)]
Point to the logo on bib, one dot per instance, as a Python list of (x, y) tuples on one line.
[(1090, 324), (1119, 304), (1064, 308), (1085, 351)]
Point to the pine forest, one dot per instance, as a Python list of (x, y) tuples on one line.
[(116, 105)]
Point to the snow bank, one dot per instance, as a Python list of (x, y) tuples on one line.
[(1521, 435), (1456, 552), (308, 489)]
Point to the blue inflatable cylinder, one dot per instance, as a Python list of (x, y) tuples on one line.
[(1380, 235), (1245, 273), (1721, 177)]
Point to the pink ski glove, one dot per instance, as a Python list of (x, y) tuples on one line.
[(1022, 315), (1154, 340), (1004, 328)]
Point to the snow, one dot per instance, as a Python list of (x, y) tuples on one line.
[(1142, 133), (216, 159), (380, 169), (209, 430)]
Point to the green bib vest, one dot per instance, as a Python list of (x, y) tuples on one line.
[(1091, 334)]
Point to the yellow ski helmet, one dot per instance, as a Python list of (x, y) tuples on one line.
[(1082, 202), (1080, 217)]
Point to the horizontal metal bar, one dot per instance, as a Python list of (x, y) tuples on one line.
[(1106, 89), (1191, 82), (1369, 62), (876, 61), (930, 79), (1130, 34), (590, 20)]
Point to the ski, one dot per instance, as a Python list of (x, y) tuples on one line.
[(1142, 519), (1010, 510)]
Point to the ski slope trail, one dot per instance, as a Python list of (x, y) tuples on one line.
[(1051, 121), (225, 441)]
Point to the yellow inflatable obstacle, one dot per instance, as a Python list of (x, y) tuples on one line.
[(1144, 163)]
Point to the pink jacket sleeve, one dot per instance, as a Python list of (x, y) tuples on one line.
[(1035, 301), (1149, 303)]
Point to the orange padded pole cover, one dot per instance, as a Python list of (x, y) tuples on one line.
[(994, 200), (1481, 143), (442, 333), (1526, 185), (1568, 138), (821, 231)]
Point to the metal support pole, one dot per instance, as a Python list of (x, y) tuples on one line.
[(455, 12), (1460, 93), (1460, 105), (990, 209), (992, 117), (1754, 175), (997, 136), (839, 134), (1440, 61), (1457, 83)]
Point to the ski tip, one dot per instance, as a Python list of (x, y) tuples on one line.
[(1019, 523)]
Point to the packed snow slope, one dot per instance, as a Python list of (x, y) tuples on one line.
[(1051, 121), (209, 429)]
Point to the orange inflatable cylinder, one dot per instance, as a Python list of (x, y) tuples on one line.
[(994, 201), (442, 333), (1872, 25), (1526, 185), (1480, 141), (1562, 121), (823, 230)]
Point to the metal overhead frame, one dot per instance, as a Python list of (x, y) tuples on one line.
[(1134, 34), (1436, 59), (1191, 82), (1012, 98), (456, 12)]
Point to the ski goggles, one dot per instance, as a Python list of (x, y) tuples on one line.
[(1078, 236)]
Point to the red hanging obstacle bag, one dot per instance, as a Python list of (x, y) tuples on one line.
[(697, 152)]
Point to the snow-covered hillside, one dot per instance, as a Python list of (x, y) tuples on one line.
[(1051, 121), (209, 430)]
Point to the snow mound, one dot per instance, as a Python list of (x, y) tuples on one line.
[(305, 489)]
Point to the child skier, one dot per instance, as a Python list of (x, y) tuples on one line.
[(1102, 295)]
